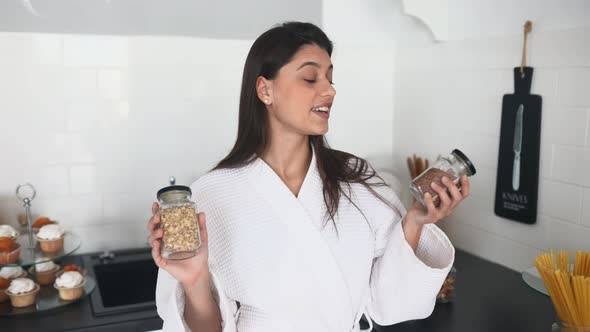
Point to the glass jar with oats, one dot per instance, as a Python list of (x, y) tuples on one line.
[(178, 219), (452, 166)]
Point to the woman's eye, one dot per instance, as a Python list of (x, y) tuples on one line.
[(309, 81)]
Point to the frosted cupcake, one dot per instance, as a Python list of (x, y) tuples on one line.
[(22, 292), (51, 238), (4, 283), (9, 250), (12, 272), (70, 285), (44, 272), (8, 231)]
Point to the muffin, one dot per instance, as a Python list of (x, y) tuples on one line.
[(22, 292), (8, 231), (9, 250), (51, 238), (70, 285), (12, 272), (40, 222), (4, 283), (44, 272)]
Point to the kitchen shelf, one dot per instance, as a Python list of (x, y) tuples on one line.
[(47, 299), (29, 255)]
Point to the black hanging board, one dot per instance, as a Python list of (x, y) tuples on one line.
[(516, 195)]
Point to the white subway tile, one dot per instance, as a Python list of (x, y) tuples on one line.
[(80, 83), (14, 83), (88, 50), (490, 246), (483, 183), (187, 51), (71, 211), (112, 83), (115, 177), (15, 49), (480, 213), (544, 84), (560, 200), (112, 236), (586, 208), (63, 148), (565, 125), (128, 208), (51, 181), (83, 179), (572, 87), (482, 150), (571, 164), (47, 49), (567, 236), (545, 159), (82, 115), (564, 48), (45, 83)]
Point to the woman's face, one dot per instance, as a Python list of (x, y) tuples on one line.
[(302, 93)]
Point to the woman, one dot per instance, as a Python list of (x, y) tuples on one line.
[(300, 237)]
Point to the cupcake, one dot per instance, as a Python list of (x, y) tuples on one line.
[(12, 272), (8, 231), (22, 292), (40, 222), (4, 283), (51, 238), (70, 285), (9, 250), (44, 271)]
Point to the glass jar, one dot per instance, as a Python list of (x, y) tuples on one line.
[(452, 166), (178, 219), (447, 290)]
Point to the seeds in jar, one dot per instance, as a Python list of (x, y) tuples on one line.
[(423, 182), (180, 229)]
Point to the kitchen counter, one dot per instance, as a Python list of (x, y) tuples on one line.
[(79, 317), (489, 297)]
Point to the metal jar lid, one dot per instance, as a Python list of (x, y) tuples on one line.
[(173, 187), (466, 160)]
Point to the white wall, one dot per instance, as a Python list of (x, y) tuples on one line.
[(99, 123), (449, 95)]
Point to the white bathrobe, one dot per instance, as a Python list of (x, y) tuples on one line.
[(269, 252)]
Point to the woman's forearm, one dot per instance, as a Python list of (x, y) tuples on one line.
[(201, 312), (412, 232)]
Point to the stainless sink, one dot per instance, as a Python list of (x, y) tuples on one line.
[(125, 281)]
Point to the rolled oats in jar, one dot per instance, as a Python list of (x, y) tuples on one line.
[(178, 219), (452, 166)]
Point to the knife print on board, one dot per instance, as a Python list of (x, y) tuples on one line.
[(517, 147)]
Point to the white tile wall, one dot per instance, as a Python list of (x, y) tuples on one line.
[(464, 81)]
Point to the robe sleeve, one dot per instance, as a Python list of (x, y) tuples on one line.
[(170, 303), (403, 284)]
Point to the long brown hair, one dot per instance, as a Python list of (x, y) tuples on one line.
[(338, 170)]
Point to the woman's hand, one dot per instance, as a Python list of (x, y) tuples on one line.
[(449, 200), (190, 272)]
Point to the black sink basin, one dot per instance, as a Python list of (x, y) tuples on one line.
[(126, 282)]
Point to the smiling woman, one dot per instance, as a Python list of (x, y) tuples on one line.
[(303, 237)]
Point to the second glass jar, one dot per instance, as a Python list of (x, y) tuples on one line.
[(452, 166)]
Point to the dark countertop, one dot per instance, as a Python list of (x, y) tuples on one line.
[(489, 297), (78, 316)]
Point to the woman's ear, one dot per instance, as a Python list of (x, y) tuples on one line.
[(264, 90)]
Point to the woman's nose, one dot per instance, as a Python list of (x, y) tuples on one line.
[(329, 90)]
